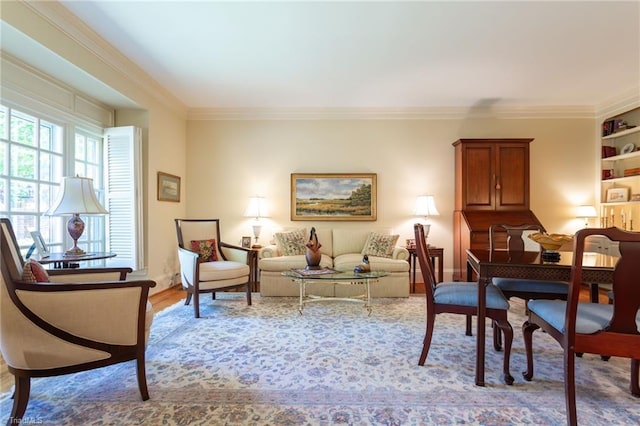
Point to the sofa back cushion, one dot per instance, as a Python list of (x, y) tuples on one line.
[(349, 240)]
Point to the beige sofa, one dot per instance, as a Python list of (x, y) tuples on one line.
[(342, 250)]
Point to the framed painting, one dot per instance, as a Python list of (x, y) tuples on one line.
[(168, 187), (40, 244), (617, 195), (333, 196)]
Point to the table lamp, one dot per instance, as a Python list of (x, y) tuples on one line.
[(76, 197), (425, 206), (257, 208), (586, 212)]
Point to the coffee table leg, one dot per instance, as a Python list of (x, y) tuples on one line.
[(301, 284)]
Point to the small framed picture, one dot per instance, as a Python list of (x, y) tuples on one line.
[(617, 195), (168, 187), (41, 246), (246, 242)]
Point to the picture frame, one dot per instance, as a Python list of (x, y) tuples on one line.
[(40, 244), (334, 196), (246, 242), (617, 195), (168, 187)]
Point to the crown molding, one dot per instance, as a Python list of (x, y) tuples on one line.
[(621, 103), (84, 36), (432, 113)]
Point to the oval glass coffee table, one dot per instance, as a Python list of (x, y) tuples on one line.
[(304, 277)]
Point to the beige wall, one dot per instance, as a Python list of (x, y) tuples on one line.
[(229, 161)]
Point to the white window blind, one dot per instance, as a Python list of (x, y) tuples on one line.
[(123, 168)]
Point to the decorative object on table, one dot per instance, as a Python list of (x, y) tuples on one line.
[(257, 209), (333, 197), (364, 266), (313, 254), (425, 207), (168, 187), (76, 197), (550, 244), (246, 242), (617, 195), (39, 244), (585, 212)]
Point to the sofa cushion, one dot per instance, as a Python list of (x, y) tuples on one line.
[(381, 245), (292, 243), (349, 241), (346, 263)]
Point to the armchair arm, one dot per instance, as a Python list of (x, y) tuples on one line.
[(234, 253), (400, 253), (88, 274)]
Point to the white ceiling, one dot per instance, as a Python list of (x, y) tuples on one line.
[(337, 54)]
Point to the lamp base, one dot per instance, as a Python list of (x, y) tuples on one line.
[(75, 226)]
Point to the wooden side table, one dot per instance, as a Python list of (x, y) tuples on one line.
[(434, 253), (252, 261)]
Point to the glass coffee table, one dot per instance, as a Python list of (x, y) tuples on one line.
[(330, 277)]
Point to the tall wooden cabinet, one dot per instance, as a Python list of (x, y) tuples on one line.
[(491, 186)]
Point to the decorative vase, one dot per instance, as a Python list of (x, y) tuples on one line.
[(313, 254)]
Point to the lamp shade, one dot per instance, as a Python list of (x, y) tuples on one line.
[(425, 206), (76, 196), (586, 211), (257, 208)]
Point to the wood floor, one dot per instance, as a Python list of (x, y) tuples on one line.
[(175, 294)]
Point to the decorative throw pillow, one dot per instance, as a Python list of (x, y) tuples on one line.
[(206, 249), (292, 243), (380, 245), (33, 272)]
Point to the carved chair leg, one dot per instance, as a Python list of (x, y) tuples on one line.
[(570, 386), (142, 378), (497, 337), (431, 319), (467, 330), (20, 399), (507, 330), (635, 377), (527, 333)]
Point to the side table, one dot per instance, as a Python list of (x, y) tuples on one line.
[(61, 260), (252, 261), (434, 253)]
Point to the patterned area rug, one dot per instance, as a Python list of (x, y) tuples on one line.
[(268, 365)]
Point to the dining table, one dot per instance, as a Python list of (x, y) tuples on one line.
[(483, 265)]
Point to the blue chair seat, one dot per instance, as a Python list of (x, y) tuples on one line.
[(591, 318), (525, 285), (466, 294)]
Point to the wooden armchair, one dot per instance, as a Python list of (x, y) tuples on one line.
[(209, 265), (593, 327), (67, 326)]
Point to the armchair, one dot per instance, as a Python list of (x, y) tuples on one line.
[(208, 265), (54, 328)]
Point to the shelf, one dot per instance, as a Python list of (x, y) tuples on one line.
[(622, 133), (623, 156), (620, 179), (620, 203)]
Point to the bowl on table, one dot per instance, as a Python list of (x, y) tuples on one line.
[(551, 242)]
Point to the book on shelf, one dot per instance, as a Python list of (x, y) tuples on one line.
[(608, 151)]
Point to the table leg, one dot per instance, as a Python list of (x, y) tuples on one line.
[(301, 284)]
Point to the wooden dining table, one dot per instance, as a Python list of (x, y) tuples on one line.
[(483, 265)]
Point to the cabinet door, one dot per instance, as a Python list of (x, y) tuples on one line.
[(478, 175), (512, 177)]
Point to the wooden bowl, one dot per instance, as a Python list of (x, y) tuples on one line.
[(551, 241)]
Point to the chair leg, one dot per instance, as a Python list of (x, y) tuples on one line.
[(20, 399), (142, 378), (196, 304), (570, 386), (249, 293), (527, 333), (467, 331), (635, 377), (187, 300), (497, 337), (431, 319), (507, 330)]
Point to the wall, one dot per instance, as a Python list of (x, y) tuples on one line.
[(229, 161)]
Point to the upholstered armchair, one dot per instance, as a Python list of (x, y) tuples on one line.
[(66, 325)]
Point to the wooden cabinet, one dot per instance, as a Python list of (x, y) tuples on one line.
[(492, 174), (491, 186)]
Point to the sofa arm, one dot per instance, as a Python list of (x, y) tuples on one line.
[(400, 253), (269, 251)]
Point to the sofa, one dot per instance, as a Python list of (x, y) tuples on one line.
[(342, 249)]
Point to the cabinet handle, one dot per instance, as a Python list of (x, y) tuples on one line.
[(496, 181)]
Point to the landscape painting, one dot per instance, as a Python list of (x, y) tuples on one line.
[(333, 196)]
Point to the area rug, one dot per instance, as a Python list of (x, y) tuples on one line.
[(267, 364)]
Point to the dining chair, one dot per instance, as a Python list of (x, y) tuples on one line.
[(52, 323), (209, 265), (581, 327), (511, 238), (460, 298)]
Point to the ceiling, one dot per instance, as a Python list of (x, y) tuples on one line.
[(336, 54)]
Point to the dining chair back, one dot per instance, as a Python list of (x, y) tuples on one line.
[(209, 265), (459, 298), (595, 328)]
